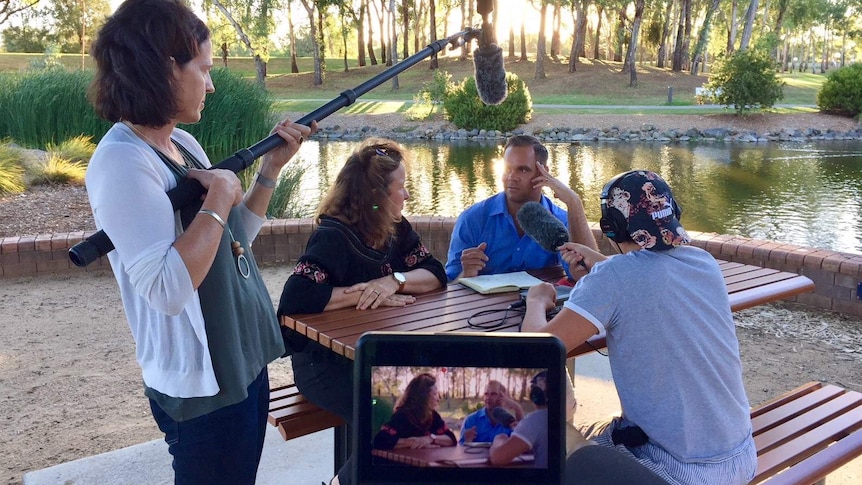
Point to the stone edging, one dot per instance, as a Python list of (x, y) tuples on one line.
[(836, 275), (646, 133)]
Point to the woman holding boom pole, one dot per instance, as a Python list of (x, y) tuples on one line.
[(201, 317)]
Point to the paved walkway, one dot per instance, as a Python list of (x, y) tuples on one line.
[(302, 461)]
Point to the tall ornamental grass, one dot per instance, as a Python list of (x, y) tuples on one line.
[(11, 170), (47, 106), (75, 149)]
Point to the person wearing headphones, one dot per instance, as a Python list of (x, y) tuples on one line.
[(531, 433), (671, 340)]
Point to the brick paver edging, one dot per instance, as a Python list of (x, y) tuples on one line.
[(835, 274)]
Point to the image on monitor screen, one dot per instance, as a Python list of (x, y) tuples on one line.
[(461, 417)]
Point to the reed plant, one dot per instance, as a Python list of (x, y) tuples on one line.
[(75, 149), (44, 106), (58, 171), (11, 169), (286, 202)]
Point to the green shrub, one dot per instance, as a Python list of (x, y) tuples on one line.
[(747, 80), (75, 149), (465, 109), (431, 95), (11, 170), (842, 92), (61, 171)]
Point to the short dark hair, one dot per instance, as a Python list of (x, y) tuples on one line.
[(133, 51), (529, 141)]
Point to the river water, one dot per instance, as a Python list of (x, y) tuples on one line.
[(809, 194)]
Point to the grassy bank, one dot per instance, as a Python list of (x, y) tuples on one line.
[(595, 83)]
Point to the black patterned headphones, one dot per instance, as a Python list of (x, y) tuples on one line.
[(613, 223)]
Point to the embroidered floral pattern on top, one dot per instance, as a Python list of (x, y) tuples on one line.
[(311, 271)]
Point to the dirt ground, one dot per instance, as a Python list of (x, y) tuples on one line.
[(70, 386)]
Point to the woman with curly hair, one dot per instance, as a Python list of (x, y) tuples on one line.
[(416, 422)]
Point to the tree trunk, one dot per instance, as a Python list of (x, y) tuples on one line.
[(749, 25), (555, 35), (294, 67), (432, 16), (631, 56), (321, 45), (370, 46), (394, 52), (405, 27), (523, 42), (466, 22), (260, 70), (580, 21), (511, 41), (734, 27), (360, 34), (620, 36), (599, 10), (679, 45), (540, 47), (344, 31), (703, 36), (665, 33)]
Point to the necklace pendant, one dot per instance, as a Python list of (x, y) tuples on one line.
[(243, 266)]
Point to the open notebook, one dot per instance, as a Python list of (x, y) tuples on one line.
[(462, 364), (500, 283)]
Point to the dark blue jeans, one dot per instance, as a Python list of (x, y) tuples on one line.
[(222, 447)]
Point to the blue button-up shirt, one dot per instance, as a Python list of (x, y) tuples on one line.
[(489, 221), (485, 432)]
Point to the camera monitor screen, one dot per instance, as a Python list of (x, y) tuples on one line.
[(459, 408)]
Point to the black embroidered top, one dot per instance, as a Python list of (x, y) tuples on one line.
[(336, 257), (402, 425)]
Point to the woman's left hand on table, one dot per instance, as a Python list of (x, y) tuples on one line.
[(377, 293)]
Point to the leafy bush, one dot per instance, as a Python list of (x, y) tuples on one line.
[(842, 91), (465, 109), (431, 95), (75, 149), (747, 79), (58, 170), (11, 170)]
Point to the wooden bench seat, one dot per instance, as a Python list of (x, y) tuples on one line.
[(807, 433), (295, 416)]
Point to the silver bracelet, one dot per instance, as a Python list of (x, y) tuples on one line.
[(265, 181), (214, 215)]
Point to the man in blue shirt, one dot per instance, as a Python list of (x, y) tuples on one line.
[(487, 238), (485, 423)]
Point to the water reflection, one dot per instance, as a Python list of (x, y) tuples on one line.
[(805, 194)]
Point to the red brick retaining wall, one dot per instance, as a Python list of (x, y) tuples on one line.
[(835, 274)]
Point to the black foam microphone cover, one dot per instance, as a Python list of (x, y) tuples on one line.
[(542, 226), (490, 74), (502, 416)]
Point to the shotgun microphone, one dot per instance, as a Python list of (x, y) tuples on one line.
[(488, 61), (543, 227), (502, 416)]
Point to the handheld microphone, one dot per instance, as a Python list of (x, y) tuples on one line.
[(488, 62), (543, 227), (502, 416)]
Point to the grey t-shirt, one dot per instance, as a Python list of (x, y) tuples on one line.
[(533, 429), (672, 347)]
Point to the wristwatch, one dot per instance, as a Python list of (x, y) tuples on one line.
[(401, 280)]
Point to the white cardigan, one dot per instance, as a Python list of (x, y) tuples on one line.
[(127, 184)]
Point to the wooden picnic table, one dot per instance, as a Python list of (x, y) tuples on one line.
[(448, 309), (448, 456)]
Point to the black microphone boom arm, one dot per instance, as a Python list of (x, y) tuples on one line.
[(188, 190)]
